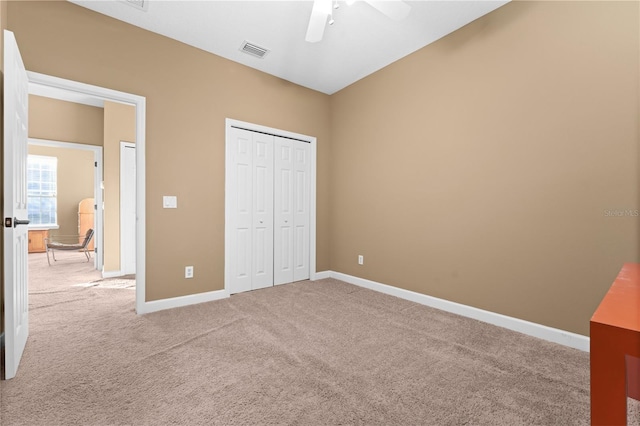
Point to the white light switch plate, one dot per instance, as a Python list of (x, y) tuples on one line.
[(170, 202)]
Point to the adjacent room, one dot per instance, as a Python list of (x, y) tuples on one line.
[(445, 220), (75, 150)]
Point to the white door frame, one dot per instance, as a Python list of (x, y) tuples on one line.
[(229, 123), (60, 88), (123, 216), (97, 189)]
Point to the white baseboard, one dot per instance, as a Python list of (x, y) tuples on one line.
[(562, 337), (112, 274), (321, 275), (177, 302)]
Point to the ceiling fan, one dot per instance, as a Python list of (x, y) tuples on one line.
[(322, 9)]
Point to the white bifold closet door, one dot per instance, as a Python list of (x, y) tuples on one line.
[(269, 217), (291, 239), (252, 214)]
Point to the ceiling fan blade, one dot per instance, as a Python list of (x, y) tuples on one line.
[(394, 9), (318, 20)]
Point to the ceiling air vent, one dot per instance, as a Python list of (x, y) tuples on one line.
[(138, 4), (253, 50)]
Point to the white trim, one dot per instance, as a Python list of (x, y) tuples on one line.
[(123, 261), (177, 302), (312, 191), (312, 210), (43, 227), (37, 79), (63, 144), (65, 95), (113, 274), (322, 275), (555, 335), (97, 188)]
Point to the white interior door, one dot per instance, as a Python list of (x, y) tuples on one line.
[(249, 257), (292, 212), (283, 205), (301, 218), (262, 261), (239, 204), (127, 208), (16, 303)]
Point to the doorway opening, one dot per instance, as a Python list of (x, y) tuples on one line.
[(72, 91), (78, 171)]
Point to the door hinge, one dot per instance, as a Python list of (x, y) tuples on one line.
[(95, 207), (95, 164), (8, 222)]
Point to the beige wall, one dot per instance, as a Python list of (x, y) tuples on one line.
[(57, 120), (479, 169), (119, 126), (189, 93), (75, 183)]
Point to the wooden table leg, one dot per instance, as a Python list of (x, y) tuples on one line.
[(614, 367), (608, 376), (633, 377)]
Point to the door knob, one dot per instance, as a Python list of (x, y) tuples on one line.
[(17, 222)]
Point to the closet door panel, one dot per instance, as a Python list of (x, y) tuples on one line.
[(241, 178), (262, 211), (302, 170), (283, 210)]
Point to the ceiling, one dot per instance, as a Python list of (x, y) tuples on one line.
[(361, 41)]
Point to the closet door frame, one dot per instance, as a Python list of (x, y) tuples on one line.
[(231, 123)]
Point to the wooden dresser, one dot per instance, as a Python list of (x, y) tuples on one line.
[(85, 219), (36, 240)]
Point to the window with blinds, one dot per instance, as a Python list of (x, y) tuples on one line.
[(42, 190)]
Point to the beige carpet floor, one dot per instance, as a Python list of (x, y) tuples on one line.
[(307, 353)]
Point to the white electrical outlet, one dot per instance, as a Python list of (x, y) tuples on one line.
[(360, 259), (188, 271)]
